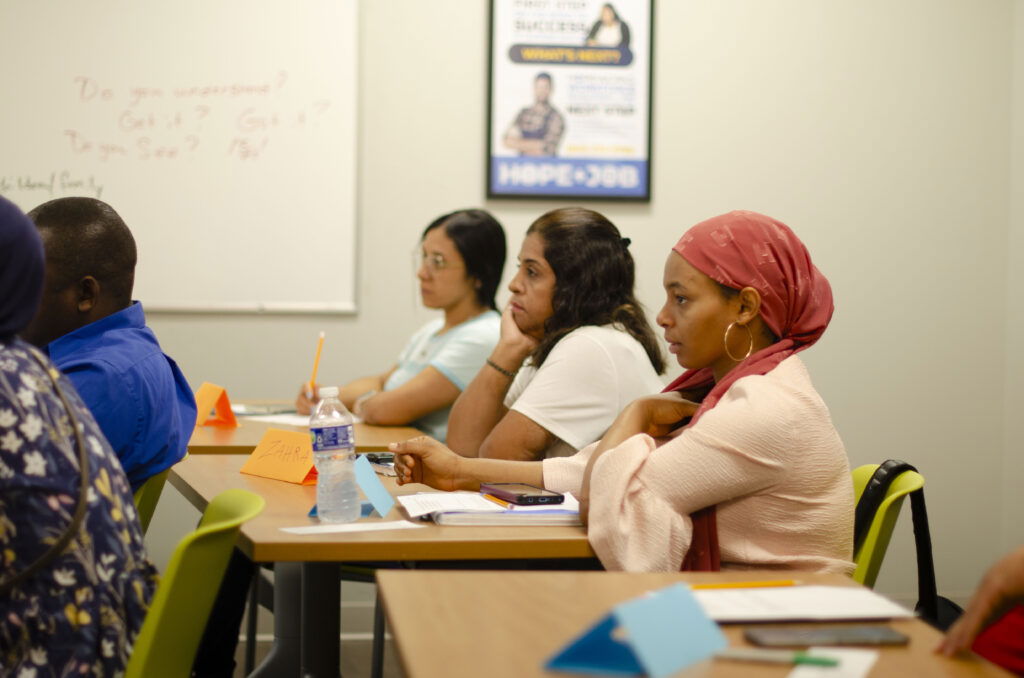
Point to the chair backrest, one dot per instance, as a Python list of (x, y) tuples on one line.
[(169, 638), (147, 496), (868, 558)]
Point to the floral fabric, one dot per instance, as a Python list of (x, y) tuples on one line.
[(80, 615)]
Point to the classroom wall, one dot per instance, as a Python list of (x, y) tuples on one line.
[(878, 129), (1013, 443)]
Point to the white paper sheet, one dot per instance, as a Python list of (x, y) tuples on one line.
[(282, 419), (423, 503), (331, 528), (793, 603)]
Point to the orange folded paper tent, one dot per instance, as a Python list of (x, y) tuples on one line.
[(283, 455), (213, 407)]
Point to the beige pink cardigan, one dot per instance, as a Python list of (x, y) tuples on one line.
[(767, 455)]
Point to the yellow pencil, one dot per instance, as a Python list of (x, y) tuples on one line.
[(316, 366), (500, 502), (747, 584)]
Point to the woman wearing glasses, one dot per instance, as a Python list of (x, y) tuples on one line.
[(575, 346), (461, 260)]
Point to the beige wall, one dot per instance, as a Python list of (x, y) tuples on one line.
[(879, 130), (1013, 443)]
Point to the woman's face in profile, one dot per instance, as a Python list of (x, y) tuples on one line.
[(532, 288), (442, 272), (695, 317)]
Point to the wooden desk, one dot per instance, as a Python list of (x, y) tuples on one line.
[(242, 440), (201, 477), (446, 623)]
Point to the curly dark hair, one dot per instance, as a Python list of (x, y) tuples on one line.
[(594, 274)]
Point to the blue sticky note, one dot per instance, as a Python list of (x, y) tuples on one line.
[(668, 630), (663, 633), (597, 650), (371, 486)]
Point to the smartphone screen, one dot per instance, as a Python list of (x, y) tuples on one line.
[(785, 636)]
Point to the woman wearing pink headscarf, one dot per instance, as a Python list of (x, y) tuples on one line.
[(738, 463)]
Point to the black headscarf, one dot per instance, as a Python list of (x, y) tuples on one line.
[(21, 269)]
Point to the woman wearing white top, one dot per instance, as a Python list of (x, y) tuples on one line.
[(575, 346), (461, 261)]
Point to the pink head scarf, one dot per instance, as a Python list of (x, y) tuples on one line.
[(747, 249)]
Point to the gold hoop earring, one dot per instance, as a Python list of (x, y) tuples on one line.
[(725, 340)]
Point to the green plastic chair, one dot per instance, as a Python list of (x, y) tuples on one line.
[(147, 496), (169, 638), (868, 558)]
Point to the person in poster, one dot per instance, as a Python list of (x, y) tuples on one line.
[(537, 129), (597, 81), (609, 30)]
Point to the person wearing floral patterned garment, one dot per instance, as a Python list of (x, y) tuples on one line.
[(79, 612)]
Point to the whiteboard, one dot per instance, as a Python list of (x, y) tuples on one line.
[(222, 131)]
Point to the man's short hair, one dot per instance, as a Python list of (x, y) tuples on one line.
[(85, 236)]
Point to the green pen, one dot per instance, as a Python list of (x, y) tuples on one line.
[(752, 654)]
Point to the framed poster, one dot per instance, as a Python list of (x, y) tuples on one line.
[(569, 94)]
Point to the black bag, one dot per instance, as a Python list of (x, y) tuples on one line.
[(938, 611)]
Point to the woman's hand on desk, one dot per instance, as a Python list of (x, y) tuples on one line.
[(306, 400), (1001, 588), (424, 460)]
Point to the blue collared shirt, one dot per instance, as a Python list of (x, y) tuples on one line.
[(137, 394)]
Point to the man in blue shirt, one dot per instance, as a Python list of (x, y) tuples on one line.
[(94, 332)]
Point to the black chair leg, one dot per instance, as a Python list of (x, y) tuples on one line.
[(250, 627), (377, 666)]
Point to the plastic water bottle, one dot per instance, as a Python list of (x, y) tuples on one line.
[(337, 494)]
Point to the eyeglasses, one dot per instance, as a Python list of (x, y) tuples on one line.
[(434, 262)]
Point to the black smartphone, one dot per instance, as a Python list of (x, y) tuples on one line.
[(521, 493), (380, 457), (787, 636)]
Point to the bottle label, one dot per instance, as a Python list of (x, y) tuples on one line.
[(332, 437)]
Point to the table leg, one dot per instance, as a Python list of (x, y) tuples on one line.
[(321, 620), (283, 660)]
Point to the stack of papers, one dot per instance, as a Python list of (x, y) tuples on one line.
[(797, 603), (471, 508)]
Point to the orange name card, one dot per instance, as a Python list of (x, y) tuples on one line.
[(213, 407), (283, 455)]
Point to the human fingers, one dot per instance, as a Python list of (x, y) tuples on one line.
[(958, 638), (306, 400), (510, 332), (998, 590), (418, 446), (405, 468)]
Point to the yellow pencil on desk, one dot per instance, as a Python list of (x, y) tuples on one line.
[(316, 366), (768, 583), (500, 502)]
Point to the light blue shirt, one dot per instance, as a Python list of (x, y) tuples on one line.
[(458, 354)]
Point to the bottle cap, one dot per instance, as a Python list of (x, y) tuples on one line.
[(327, 392)]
